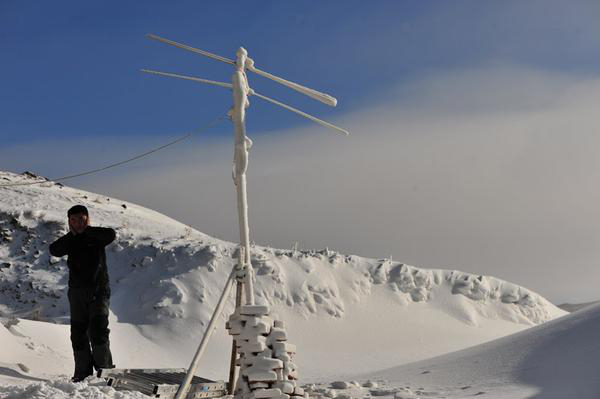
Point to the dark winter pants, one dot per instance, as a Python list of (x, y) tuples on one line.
[(89, 325)]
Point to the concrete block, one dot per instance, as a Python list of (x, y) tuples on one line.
[(264, 376), (284, 347), (254, 310), (266, 393)]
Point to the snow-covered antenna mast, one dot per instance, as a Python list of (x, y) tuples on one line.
[(241, 91)]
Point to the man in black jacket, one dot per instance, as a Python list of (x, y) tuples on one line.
[(89, 290)]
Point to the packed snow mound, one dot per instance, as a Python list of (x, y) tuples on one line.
[(559, 359), (166, 278)]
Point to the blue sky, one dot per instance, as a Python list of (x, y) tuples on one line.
[(474, 124), (71, 68)]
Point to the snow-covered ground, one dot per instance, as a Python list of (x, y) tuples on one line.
[(348, 315), (557, 360)]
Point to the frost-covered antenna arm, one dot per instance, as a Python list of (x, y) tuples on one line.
[(304, 114), (317, 95), (174, 75), (190, 48)]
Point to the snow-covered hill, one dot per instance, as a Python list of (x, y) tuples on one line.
[(557, 360), (574, 307), (347, 314)]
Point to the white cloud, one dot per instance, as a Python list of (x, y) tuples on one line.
[(490, 171)]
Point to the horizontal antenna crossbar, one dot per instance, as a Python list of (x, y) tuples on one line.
[(190, 48), (317, 95), (304, 114), (174, 75)]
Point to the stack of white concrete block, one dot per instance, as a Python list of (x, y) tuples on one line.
[(265, 358)]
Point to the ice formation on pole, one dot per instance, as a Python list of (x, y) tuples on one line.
[(240, 164), (265, 358)]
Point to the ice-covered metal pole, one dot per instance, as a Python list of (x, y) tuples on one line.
[(240, 162)]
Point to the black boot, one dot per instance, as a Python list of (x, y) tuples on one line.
[(83, 365), (102, 356)]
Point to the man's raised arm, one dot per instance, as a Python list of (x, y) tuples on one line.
[(61, 246), (102, 235)]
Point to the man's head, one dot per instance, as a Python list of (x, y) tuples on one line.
[(78, 218)]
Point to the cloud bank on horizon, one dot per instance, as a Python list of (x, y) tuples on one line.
[(507, 190), (473, 144)]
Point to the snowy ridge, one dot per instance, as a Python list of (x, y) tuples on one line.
[(574, 307), (182, 265), (166, 278)]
